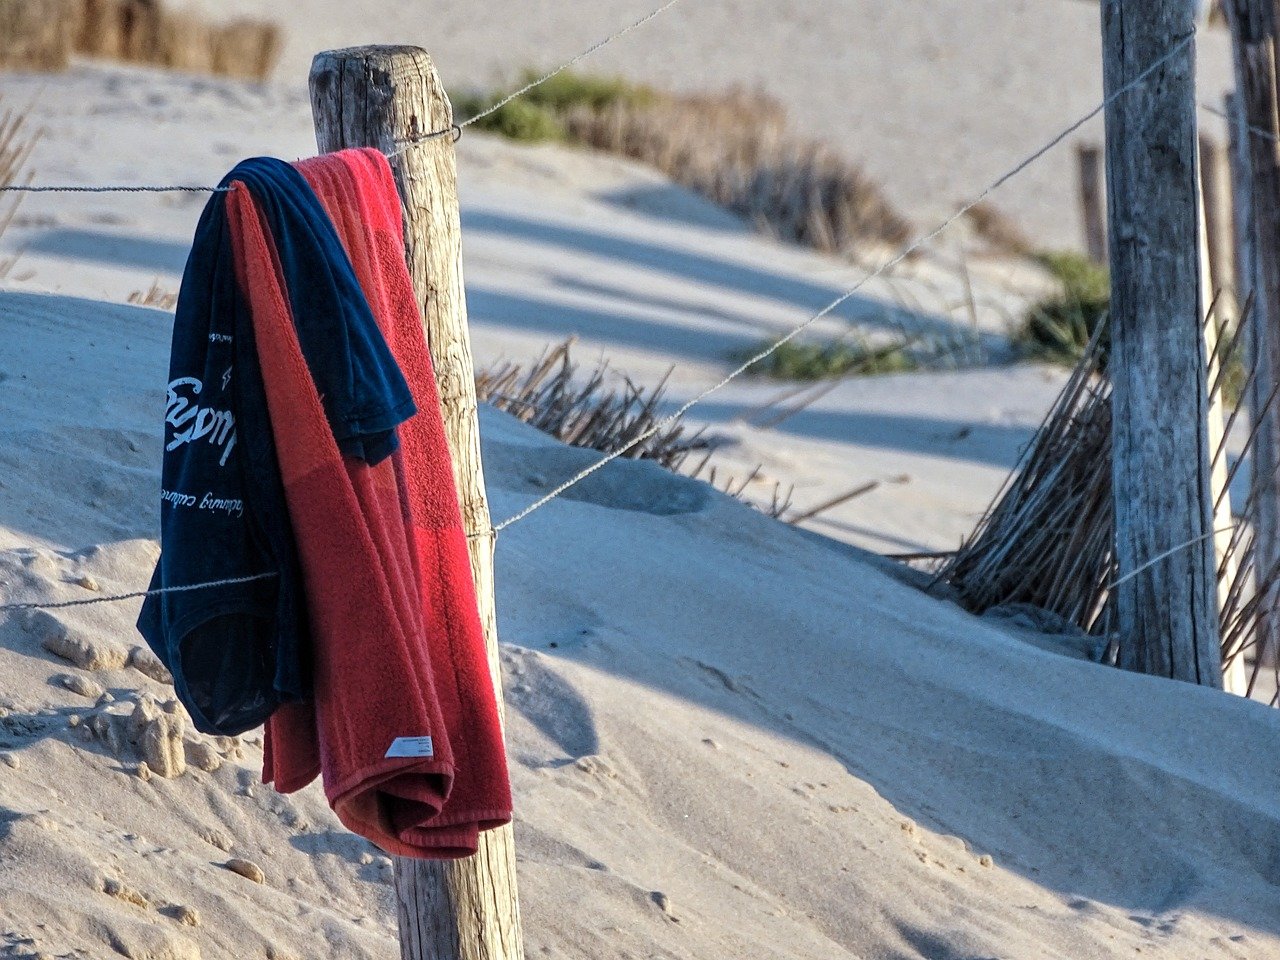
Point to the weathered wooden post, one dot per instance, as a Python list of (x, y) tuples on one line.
[(384, 97), (1093, 213), (1237, 679), (1234, 679), (1246, 262), (1215, 186), (1253, 29), (1167, 594)]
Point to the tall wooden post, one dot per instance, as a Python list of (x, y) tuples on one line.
[(1093, 213), (1167, 597), (1215, 185), (1234, 679), (1253, 29), (383, 97), (1246, 261)]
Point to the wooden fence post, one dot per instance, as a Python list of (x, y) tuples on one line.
[(1215, 185), (1167, 594), (1093, 213), (1234, 679), (380, 97), (1246, 263), (1253, 30)]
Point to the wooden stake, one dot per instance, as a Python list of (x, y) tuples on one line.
[(1168, 610), (1093, 213), (1215, 185), (1216, 336), (381, 97), (1246, 262), (1253, 29)]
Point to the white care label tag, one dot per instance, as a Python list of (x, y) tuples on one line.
[(411, 747)]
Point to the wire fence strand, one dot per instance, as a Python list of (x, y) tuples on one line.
[(1256, 131), (878, 272), (21, 188), (158, 591), (135, 594)]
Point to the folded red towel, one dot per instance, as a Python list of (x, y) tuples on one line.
[(372, 680), (436, 603)]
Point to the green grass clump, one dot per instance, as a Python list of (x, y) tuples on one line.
[(568, 90), (836, 358), (518, 120), (538, 116), (1234, 379), (1059, 328)]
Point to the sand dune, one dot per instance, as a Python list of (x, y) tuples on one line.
[(728, 737)]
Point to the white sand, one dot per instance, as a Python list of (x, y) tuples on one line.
[(729, 737)]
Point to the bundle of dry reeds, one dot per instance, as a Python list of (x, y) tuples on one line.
[(1251, 601), (736, 150), (1047, 541)]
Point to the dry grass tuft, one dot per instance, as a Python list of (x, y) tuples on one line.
[(156, 297), (997, 230), (736, 150), (584, 412), (44, 34), (246, 48)]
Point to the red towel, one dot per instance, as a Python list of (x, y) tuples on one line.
[(422, 663)]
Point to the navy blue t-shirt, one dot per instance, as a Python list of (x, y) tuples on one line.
[(237, 651)]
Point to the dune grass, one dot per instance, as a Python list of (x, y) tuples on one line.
[(540, 115), (734, 148), (582, 411), (1059, 328)]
